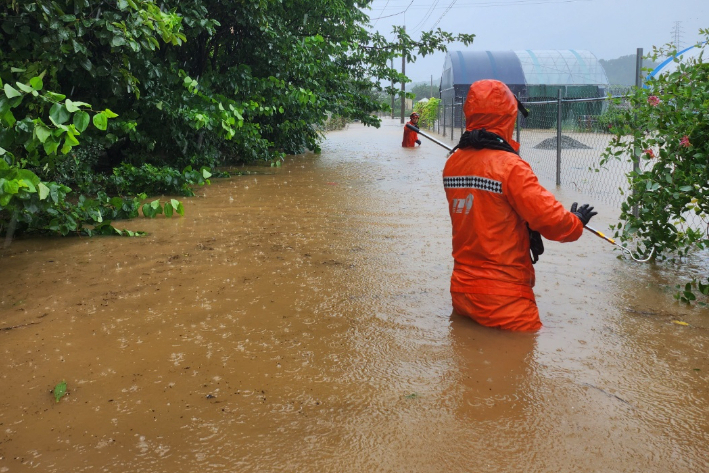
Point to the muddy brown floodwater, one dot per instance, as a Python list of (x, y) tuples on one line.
[(299, 320)]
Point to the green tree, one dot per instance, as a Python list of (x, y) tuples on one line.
[(670, 137), (211, 80), (423, 90), (198, 83)]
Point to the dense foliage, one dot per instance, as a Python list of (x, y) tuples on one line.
[(428, 112), (179, 86), (669, 135)]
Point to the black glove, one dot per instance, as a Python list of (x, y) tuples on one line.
[(536, 246), (419, 142), (584, 213)]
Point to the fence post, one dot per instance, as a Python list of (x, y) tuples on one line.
[(453, 115), (639, 62), (517, 126), (558, 181), (461, 117), (443, 116), (435, 125)]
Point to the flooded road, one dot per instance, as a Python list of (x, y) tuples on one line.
[(299, 320)]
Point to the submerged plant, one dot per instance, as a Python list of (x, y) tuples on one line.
[(60, 390)]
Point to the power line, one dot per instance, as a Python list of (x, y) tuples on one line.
[(383, 10), (426, 15), (394, 14), (444, 14)]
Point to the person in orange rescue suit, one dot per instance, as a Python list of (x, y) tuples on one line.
[(410, 136), (496, 205)]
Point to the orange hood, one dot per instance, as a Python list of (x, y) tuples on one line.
[(491, 105)]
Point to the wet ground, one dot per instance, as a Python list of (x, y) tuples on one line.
[(298, 320)]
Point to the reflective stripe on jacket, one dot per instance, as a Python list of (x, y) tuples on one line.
[(491, 196)]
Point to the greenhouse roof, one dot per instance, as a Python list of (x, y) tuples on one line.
[(561, 67), (526, 67)]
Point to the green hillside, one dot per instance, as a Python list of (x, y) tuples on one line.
[(621, 71)]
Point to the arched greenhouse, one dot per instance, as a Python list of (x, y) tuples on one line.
[(532, 75)]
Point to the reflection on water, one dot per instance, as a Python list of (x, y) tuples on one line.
[(299, 320), (493, 370)]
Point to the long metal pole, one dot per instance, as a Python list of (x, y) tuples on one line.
[(558, 181), (637, 153), (414, 128)]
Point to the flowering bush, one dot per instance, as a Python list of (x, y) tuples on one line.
[(653, 101), (670, 190)]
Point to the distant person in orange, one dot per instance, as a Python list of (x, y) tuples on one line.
[(497, 207), (410, 136)]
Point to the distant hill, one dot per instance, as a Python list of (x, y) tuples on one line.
[(621, 71)]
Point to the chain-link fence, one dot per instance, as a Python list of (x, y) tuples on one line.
[(564, 139)]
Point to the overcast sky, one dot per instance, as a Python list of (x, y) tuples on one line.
[(607, 28)]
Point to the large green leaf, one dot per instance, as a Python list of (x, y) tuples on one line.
[(69, 142), (29, 186), (152, 209), (74, 106), (100, 121), (42, 132), (55, 96), (43, 191), (51, 145), (4, 105), (11, 92), (117, 41), (11, 186), (81, 120), (8, 119), (29, 176), (59, 113), (24, 87), (36, 83)]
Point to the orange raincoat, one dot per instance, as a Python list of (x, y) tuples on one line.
[(492, 194), (410, 137)]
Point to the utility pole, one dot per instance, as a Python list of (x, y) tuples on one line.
[(431, 87), (404, 60), (392, 84)]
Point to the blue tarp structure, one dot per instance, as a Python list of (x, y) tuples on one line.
[(518, 69), (530, 74)]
